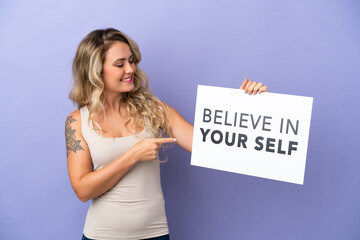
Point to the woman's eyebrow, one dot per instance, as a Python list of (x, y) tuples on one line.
[(122, 59)]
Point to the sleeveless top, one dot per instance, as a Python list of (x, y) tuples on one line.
[(134, 208)]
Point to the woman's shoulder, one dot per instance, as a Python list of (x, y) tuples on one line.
[(75, 114), (74, 119)]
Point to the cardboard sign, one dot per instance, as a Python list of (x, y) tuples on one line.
[(263, 135)]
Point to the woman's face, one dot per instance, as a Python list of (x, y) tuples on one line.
[(119, 68)]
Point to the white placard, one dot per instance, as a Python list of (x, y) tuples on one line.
[(264, 135)]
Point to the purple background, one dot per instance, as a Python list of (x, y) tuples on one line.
[(308, 48)]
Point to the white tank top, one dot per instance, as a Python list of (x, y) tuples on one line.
[(134, 208)]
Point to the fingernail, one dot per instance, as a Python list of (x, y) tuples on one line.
[(174, 139)]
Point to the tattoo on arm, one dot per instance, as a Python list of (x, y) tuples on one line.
[(71, 143)]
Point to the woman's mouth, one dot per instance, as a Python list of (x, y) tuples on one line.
[(129, 79)]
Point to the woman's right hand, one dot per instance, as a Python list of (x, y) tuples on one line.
[(147, 149)]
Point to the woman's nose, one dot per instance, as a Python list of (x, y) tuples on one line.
[(130, 68)]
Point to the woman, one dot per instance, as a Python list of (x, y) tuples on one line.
[(113, 139)]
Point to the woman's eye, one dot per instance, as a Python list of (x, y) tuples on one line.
[(131, 61)]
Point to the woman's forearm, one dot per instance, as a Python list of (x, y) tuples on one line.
[(100, 181)]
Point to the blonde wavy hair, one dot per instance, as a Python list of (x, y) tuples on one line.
[(88, 85)]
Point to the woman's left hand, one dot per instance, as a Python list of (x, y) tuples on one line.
[(251, 87)]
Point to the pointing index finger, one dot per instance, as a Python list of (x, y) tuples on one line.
[(165, 140)]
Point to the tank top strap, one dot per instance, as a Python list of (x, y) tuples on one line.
[(88, 132), (147, 124)]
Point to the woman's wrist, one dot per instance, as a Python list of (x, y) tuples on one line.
[(131, 157)]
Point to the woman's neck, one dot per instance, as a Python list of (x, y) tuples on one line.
[(112, 101)]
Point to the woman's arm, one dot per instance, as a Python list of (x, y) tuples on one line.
[(89, 184), (181, 129)]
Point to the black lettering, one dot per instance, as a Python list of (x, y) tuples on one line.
[(258, 141), (266, 123), (257, 122), (279, 147), (269, 144), (213, 136), (204, 133), (226, 116), (207, 113), (291, 148), (295, 130), (217, 116), (235, 118), (243, 120), (232, 139), (242, 138)]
